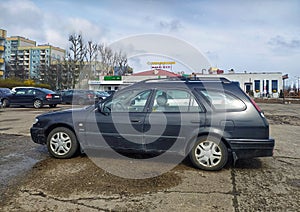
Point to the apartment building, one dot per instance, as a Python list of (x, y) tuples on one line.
[(25, 57), (38, 57), (2, 52)]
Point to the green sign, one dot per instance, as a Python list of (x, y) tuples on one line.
[(108, 78)]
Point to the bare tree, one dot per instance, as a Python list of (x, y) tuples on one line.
[(76, 55), (91, 55), (122, 63)]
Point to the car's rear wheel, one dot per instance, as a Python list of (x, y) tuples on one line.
[(53, 105), (62, 143), (209, 153), (37, 104)]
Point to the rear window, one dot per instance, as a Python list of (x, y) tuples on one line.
[(221, 100), (47, 91)]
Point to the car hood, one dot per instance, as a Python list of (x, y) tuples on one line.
[(66, 116)]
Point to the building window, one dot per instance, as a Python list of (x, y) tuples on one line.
[(257, 86), (274, 86)]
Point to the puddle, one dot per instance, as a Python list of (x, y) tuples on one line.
[(18, 155)]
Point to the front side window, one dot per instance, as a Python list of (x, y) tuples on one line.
[(223, 101), (175, 101), (21, 92), (130, 101)]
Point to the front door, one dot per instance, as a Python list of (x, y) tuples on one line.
[(119, 124), (22, 97)]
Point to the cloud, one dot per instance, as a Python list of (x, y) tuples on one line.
[(22, 17), (280, 42), (171, 26), (247, 35)]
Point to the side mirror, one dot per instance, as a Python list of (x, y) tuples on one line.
[(132, 103), (103, 109)]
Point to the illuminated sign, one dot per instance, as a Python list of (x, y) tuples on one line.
[(110, 78), (161, 65), (156, 67)]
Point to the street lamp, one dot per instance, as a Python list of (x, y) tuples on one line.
[(298, 78)]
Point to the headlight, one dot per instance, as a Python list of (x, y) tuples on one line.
[(36, 121)]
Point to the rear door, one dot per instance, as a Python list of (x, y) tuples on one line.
[(171, 126)]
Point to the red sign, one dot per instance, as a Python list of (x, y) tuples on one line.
[(286, 76)]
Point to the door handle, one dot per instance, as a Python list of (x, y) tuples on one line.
[(197, 122), (135, 120)]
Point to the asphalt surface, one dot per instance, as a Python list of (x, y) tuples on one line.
[(33, 181)]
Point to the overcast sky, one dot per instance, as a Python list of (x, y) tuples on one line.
[(252, 36)]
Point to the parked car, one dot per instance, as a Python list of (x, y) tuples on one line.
[(33, 96), (110, 92), (4, 92), (208, 119), (81, 97), (101, 95)]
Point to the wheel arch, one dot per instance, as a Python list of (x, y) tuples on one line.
[(56, 125), (215, 134)]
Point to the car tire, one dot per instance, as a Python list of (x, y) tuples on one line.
[(209, 153), (37, 103), (53, 105), (62, 143), (5, 103)]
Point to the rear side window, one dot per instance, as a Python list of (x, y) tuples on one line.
[(175, 101), (223, 101)]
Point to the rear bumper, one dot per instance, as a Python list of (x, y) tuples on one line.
[(52, 101), (38, 135), (251, 148)]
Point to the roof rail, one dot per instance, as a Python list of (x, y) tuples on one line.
[(189, 79)]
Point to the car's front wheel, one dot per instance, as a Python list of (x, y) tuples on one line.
[(209, 153), (5, 103), (62, 143)]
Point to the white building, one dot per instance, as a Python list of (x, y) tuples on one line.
[(265, 84)]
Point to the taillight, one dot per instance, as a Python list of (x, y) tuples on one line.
[(255, 105), (90, 96), (49, 96)]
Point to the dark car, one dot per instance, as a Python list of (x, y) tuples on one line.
[(33, 96), (77, 96), (101, 95), (4, 92), (209, 119), (110, 92)]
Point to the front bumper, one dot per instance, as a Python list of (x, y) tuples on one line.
[(38, 135), (251, 148)]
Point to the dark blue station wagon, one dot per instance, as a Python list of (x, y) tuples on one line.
[(207, 119)]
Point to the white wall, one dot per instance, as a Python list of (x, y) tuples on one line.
[(242, 78)]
